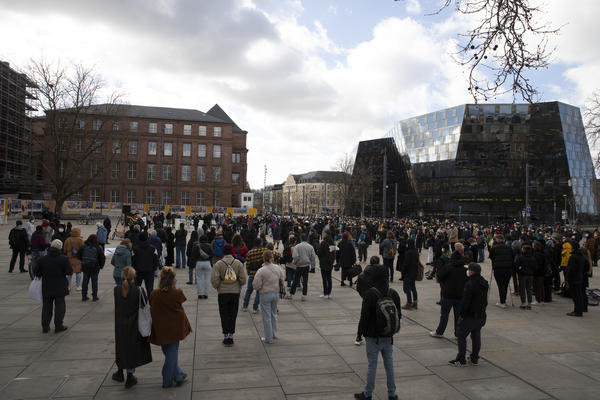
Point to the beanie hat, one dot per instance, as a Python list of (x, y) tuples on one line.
[(143, 236), (56, 244)]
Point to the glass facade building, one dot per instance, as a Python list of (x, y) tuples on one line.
[(471, 159)]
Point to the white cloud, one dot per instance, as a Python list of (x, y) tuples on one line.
[(413, 7)]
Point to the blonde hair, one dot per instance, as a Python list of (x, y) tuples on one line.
[(128, 277), (167, 277), (459, 246), (268, 256), (126, 243)]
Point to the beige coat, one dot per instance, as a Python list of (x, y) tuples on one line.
[(73, 242), (268, 278), (218, 274)]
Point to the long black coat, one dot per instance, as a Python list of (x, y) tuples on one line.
[(131, 349), (53, 268), (347, 254), (410, 265)]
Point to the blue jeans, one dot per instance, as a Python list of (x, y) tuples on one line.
[(448, 304), (409, 288), (268, 307), (180, 256), (374, 347), (170, 370), (191, 274), (203, 277), (249, 290), (84, 285), (481, 255), (327, 284), (289, 276), (77, 278)]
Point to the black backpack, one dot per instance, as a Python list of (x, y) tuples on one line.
[(388, 316), (88, 255)]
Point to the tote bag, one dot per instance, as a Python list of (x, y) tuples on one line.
[(144, 318), (35, 289)]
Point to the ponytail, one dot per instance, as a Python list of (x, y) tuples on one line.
[(128, 277)]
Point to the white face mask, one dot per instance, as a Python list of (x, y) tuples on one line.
[(61, 230), (468, 273)]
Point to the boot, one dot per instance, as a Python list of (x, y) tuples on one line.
[(118, 376), (131, 380), (414, 305), (407, 306)]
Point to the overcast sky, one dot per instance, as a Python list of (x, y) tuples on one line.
[(306, 79)]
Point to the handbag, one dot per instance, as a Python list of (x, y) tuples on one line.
[(35, 289), (144, 317), (420, 271)]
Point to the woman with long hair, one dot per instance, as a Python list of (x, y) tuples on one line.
[(266, 282), (191, 263), (169, 325), (92, 261), (131, 349)]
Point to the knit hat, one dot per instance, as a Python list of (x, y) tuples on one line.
[(56, 244), (143, 237), (98, 224)]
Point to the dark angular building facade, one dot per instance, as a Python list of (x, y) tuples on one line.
[(471, 160)]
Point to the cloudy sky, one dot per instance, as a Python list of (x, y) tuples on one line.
[(307, 79)]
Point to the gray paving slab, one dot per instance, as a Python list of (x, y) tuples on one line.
[(262, 393), (505, 388), (234, 378), (310, 365)]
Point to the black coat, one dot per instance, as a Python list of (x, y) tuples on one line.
[(131, 349), (180, 236), (367, 326), (502, 257), (18, 240), (575, 269), (53, 268), (410, 264), (144, 257), (92, 267), (453, 277), (346, 254), (474, 300), (526, 264)]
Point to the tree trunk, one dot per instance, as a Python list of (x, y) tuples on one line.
[(58, 207)]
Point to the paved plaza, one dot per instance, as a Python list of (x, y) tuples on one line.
[(538, 354)]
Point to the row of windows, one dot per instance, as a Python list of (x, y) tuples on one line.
[(134, 126), (167, 172), (151, 198)]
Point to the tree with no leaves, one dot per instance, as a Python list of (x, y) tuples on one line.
[(71, 147), (344, 164), (591, 116)]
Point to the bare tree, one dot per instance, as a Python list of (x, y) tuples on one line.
[(77, 135), (344, 164), (509, 40), (592, 125)]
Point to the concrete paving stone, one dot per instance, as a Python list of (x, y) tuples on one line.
[(429, 357), (339, 329), (215, 346), (423, 340), (16, 359), (31, 388), (356, 354), (450, 373), (288, 337), (582, 393), (320, 383), (302, 350), (80, 385), (262, 393), (341, 339), (21, 346), (505, 388), (41, 368), (309, 365), (401, 369), (324, 395), (234, 378), (79, 351), (231, 360), (8, 373), (241, 332), (145, 392), (428, 387)]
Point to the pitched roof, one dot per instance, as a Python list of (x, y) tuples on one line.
[(218, 112), (181, 114), (321, 176)]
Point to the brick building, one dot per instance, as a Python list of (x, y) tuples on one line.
[(157, 155)]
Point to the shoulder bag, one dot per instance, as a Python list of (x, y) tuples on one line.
[(144, 317)]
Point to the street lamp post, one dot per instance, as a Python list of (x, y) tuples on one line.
[(565, 210)]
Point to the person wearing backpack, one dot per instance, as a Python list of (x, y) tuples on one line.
[(145, 262), (228, 276), (19, 243), (364, 282), (388, 249), (92, 261), (379, 320)]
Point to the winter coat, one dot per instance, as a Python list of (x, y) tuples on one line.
[(120, 260), (453, 277), (131, 349), (367, 325), (565, 254), (410, 264), (218, 274), (38, 241), (364, 281), (474, 299), (304, 255), (169, 321), (107, 224), (72, 245), (268, 278), (53, 269), (180, 236), (18, 239), (155, 242), (326, 258), (526, 264), (502, 257), (145, 258), (91, 267), (575, 269), (102, 234), (346, 254)]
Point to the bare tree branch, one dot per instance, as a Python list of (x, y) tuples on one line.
[(591, 115)]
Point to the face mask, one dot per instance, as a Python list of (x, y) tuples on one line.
[(61, 230), (468, 273)]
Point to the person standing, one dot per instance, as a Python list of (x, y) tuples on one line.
[(131, 349), (410, 268), (102, 235), (121, 259), (346, 258), (170, 325), (326, 260), (376, 340), (228, 276), (525, 265), (388, 249), (180, 237), (253, 262), (364, 282), (19, 244), (54, 268), (191, 261), (303, 256), (92, 261), (145, 262), (363, 244), (502, 258), (267, 282), (472, 316), (170, 245), (202, 255), (30, 227), (108, 225), (574, 272), (71, 248)]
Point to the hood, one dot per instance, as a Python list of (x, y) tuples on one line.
[(20, 227), (482, 283), (380, 278), (219, 240), (76, 232), (54, 252), (121, 250)]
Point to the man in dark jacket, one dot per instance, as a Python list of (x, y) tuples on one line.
[(53, 268), (180, 242), (326, 258), (472, 316), (346, 258), (503, 266), (108, 225), (574, 277), (19, 243), (452, 278), (145, 262), (364, 282), (376, 344)]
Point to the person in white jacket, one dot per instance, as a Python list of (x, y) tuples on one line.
[(303, 257), (267, 281)]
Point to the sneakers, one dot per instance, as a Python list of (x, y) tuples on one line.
[(358, 341), (457, 363), (131, 380), (573, 314), (328, 297), (78, 288), (435, 334), (501, 305), (323, 296), (60, 329), (228, 342), (407, 306), (361, 396), (118, 376), (255, 311), (262, 339), (244, 309), (303, 298), (473, 362), (184, 377)]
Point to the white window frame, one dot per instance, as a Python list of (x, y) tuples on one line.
[(186, 173), (152, 148), (201, 150), (216, 170), (217, 154), (187, 149), (170, 152), (217, 131), (233, 182), (131, 170), (132, 147), (187, 130), (131, 196), (202, 130), (201, 173), (133, 126), (168, 129), (153, 127), (151, 171)]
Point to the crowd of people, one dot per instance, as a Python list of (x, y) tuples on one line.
[(273, 257)]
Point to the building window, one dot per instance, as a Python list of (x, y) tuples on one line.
[(202, 130), (185, 198), (165, 198), (168, 150), (80, 124), (186, 172), (168, 129), (151, 172), (150, 197), (133, 126), (78, 145), (217, 199), (94, 168), (97, 145), (94, 196), (187, 149), (97, 124), (131, 196), (133, 147), (199, 198), (235, 178), (61, 169), (116, 126), (115, 196), (187, 130), (167, 172), (116, 147), (216, 174), (201, 150), (217, 131), (153, 127), (201, 173), (216, 151), (151, 148), (235, 158), (131, 170), (115, 170)]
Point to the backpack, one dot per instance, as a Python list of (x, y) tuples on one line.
[(392, 249), (88, 255), (217, 250), (230, 275), (388, 317)]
